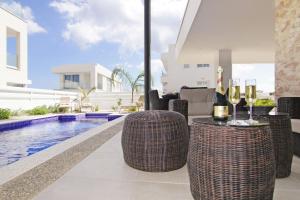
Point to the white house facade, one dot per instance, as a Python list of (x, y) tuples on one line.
[(232, 36), (190, 74), (13, 51), (86, 76)]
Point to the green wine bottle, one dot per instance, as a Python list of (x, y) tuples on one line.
[(220, 106)]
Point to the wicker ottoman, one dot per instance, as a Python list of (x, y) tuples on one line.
[(280, 124), (231, 162), (155, 141)]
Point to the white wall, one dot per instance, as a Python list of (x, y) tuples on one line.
[(18, 76), (106, 100), (27, 98), (178, 76)]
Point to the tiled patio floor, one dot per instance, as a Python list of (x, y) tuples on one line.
[(104, 175)]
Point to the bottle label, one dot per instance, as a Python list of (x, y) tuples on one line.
[(221, 111)]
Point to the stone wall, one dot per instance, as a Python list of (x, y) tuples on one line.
[(287, 37)]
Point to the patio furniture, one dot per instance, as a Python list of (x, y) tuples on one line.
[(157, 103), (155, 141), (226, 162), (168, 102), (181, 106), (65, 102), (86, 106), (200, 100), (291, 105), (280, 124)]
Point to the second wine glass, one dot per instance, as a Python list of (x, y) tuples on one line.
[(250, 95), (234, 95)]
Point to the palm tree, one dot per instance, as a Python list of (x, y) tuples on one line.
[(84, 94), (134, 83)]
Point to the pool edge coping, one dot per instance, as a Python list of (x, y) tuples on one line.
[(26, 164)]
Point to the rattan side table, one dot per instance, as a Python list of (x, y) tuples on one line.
[(226, 162)]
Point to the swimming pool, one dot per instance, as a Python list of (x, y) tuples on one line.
[(24, 138)]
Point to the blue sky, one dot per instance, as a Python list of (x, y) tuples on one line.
[(263, 73), (108, 32)]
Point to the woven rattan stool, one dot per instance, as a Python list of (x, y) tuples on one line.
[(280, 124), (231, 162), (155, 141)]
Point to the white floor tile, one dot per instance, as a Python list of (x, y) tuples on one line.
[(104, 176)]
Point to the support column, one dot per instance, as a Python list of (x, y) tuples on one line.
[(287, 55), (225, 61), (147, 51)]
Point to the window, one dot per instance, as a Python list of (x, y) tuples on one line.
[(202, 83), (186, 66), (12, 49), (100, 82), (202, 65), (109, 85), (72, 81)]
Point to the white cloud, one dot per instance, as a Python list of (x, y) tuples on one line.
[(242, 70), (25, 13), (156, 66), (263, 73), (89, 22)]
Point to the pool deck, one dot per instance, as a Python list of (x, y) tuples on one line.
[(26, 117), (24, 179), (104, 175), (30, 117)]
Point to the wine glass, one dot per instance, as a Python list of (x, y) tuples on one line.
[(250, 96), (234, 95)]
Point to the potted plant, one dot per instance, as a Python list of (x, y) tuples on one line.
[(262, 106)]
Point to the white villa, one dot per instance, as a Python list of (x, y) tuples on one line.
[(86, 76), (227, 39), (195, 75), (13, 51)]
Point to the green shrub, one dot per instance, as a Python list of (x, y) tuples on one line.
[(5, 113), (132, 109), (97, 108), (39, 110), (63, 110), (53, 109), (264, 102)]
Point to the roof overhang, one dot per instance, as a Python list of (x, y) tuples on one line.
[(244, 26)]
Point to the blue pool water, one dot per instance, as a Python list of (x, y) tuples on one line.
[(29, 139)]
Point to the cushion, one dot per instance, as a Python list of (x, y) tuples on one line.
[(295, 125), (200, 100)]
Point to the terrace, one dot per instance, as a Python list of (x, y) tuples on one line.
[(161, 154)]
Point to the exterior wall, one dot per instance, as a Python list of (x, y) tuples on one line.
[(287, 59), (26, 98), (106, 100), (177, 76), (20, 75)]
